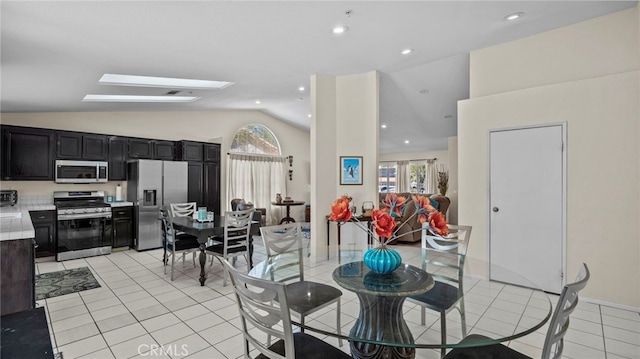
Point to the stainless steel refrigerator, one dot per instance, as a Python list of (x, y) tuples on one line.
[(151, 185)]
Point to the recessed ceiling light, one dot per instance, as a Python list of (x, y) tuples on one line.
[(257, 102), (340, 29), (301, 88), (406, 51), (514, 16), (383, 126), (168, 82), (406, 142), (127, 98), (309, 115)]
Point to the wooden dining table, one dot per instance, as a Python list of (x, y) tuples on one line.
[(204, 230)]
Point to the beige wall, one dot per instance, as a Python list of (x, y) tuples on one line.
[(207, 126), (597, 47), (600, 103), (345, 123)]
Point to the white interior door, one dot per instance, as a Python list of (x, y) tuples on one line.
[(527, 210)]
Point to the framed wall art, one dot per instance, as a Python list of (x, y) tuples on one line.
[(350, 170)]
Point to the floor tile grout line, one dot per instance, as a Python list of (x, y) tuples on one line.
[(143, 264)]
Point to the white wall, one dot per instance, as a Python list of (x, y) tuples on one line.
[(206, 126), (531, 81)]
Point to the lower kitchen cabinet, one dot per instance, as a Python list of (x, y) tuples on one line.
[(122, 223), (17, 275), (44, 224)]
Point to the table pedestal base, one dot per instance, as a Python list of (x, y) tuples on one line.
[(203, 261), (385, 315)]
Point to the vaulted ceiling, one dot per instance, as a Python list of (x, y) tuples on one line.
[(54, 52)]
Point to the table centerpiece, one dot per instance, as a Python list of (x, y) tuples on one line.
[(382, 259)]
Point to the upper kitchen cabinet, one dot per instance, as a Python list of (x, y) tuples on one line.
[(164, 150), (27, 153), (140, 148), (190, 151), (117, 158), (81, 146), (212, 152)]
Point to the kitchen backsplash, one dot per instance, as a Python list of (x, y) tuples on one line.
[(41, 192)]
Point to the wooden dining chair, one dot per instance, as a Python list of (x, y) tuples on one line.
[(305, 297), (554, 339), (443, 258), (264, 313)]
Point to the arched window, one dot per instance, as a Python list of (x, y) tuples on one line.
[(256, 139)]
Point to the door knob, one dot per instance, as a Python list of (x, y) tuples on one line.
[(495, 209)]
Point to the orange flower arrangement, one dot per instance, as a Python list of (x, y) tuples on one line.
[(384, 224)]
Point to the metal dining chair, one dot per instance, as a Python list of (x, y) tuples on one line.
[(304, 297), (235, 242), (175, 244), (264, 313), (554, 340), (182, 209), (443, 258)]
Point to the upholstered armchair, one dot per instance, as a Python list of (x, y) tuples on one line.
[(413, 224)]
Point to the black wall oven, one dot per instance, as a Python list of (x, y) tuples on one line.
[(84, 225)]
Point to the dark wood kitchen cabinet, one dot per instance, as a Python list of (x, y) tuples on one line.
[(164, 150), (27, 153), (117, 158), (141, 148), (81, 146), (44, 225), (212, 152), (204, 177), (17, 275), (211, 195), (122, 223), (190, 151), (194, 183)]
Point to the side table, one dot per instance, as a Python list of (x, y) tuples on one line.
[(360, 218)]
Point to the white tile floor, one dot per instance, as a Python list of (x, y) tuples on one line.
[(139, 310)]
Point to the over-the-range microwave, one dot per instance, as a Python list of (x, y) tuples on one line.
[(81, 171)]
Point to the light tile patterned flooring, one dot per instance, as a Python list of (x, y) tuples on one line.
[(139, 309)]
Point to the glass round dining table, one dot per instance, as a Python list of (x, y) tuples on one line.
[(380, 320)]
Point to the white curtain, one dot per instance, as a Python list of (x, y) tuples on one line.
[(256, 179), (403, 177), (431, 178)]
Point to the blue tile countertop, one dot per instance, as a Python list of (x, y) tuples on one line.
[(15, 222)]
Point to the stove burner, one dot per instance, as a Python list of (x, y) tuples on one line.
[(80, 202)]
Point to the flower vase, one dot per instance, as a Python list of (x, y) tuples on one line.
[(382, 259)]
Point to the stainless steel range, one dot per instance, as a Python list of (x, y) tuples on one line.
[(84, 224)]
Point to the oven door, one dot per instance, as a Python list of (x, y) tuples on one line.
[(83, 235)]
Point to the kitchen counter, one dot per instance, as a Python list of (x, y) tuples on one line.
[(15, 222), (121, 204)]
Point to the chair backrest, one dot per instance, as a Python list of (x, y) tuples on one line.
[(283, 246), (234, 203), (263, 310), (444, 257), (559, 323), (168, 233), (182, 209), (237, 229)]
